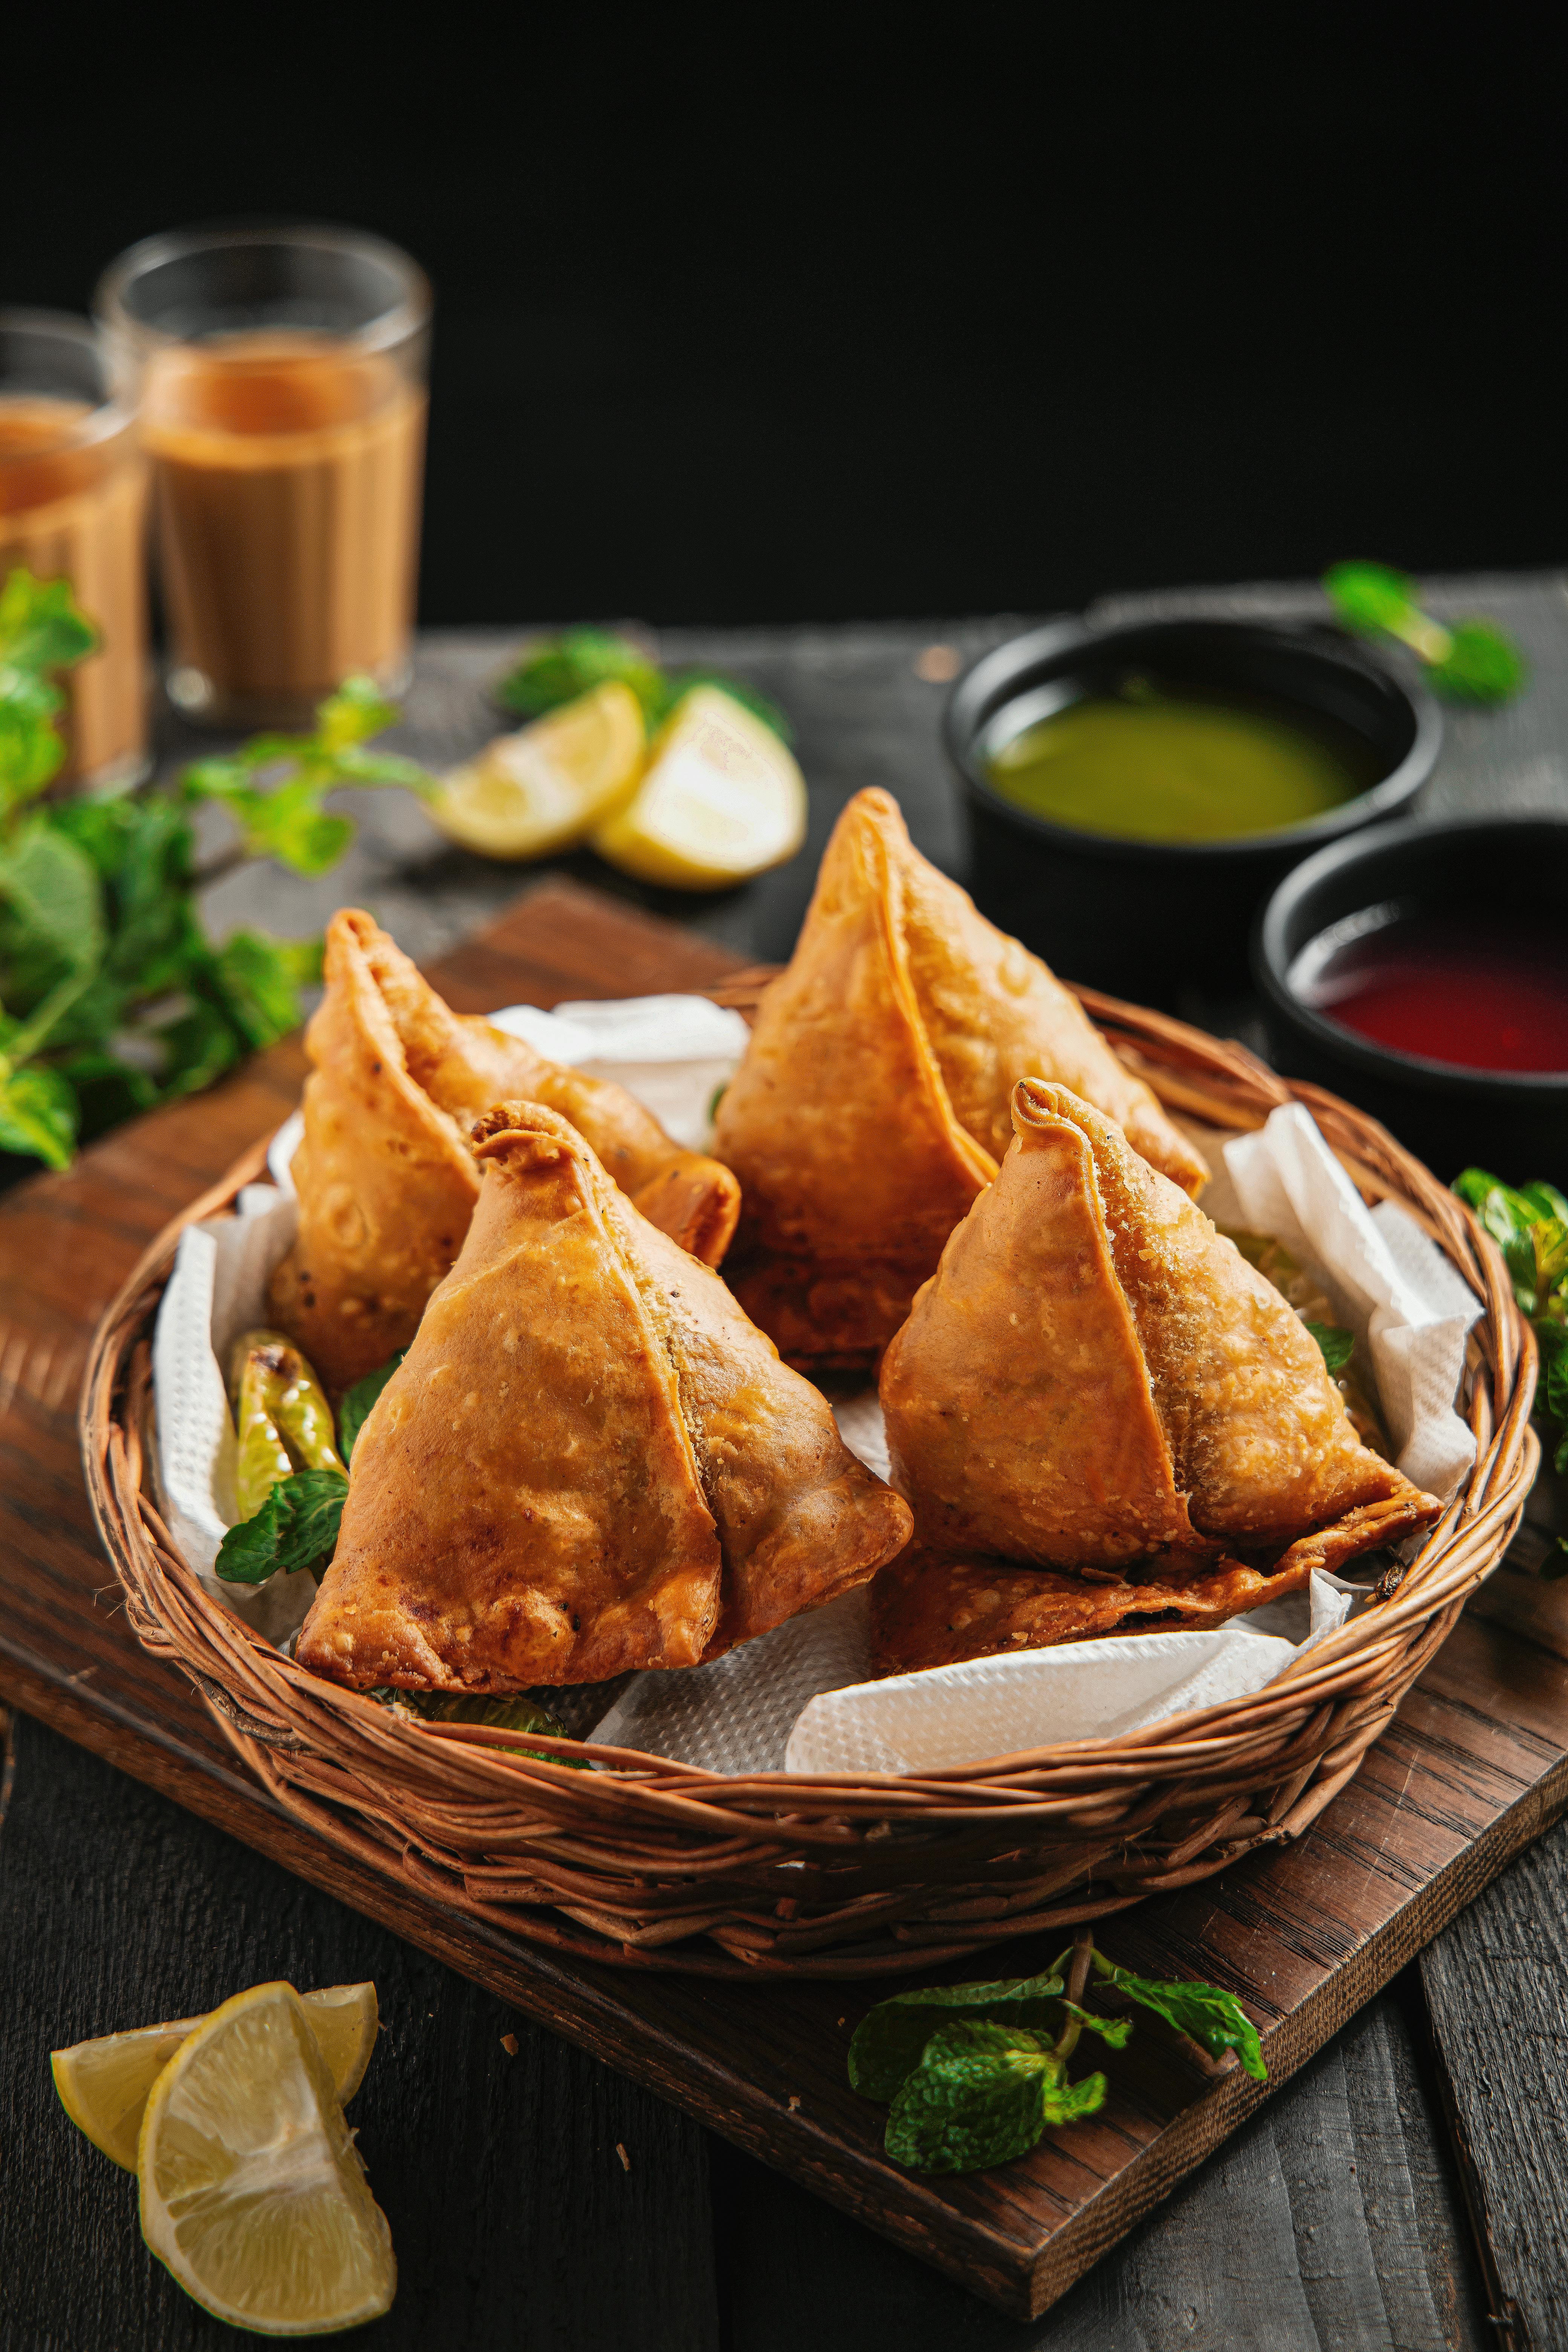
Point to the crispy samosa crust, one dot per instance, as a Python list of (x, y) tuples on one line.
[(872, 1102), (588, 1461), (385, 1177), (931, 1609), (1096, 1377)]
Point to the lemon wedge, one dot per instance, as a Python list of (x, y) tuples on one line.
[(722, 800), (253, 2194), (541, 790), (104, 2084)]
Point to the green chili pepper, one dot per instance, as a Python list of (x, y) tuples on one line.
[(283, 1420)]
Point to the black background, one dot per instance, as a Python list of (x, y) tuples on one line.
[(783, 316)]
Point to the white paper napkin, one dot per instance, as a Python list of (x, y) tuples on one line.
[(217, 1289), (1394, 1286), (673, 1053)]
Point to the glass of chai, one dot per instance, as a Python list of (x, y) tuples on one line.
[(281, 374), (73, 504)]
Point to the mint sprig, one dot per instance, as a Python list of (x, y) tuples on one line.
[(354, 1411), (889, 2040), (111, 996), (297, 1527), (554, 670), (973, 2074), (982, 2094), (1335, 1344), (1529, 1224), (1468, 661)]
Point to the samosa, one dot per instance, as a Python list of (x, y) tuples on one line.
[(933, 1609), (872, 1102), (385, 1177), (1097, 1380), (588, 1461)]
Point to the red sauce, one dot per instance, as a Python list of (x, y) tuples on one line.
[(1485, 990)]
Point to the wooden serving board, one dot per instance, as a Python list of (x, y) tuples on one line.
[(1474, 1767)]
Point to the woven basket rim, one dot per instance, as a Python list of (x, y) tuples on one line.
[(445, 1804)]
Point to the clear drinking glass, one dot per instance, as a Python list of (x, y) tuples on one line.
[(281, 374), (73, 504)]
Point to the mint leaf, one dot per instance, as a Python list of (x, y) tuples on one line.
[(889, 2040), (1482, 664), (1509, 1218), (1544, 1200), (199, 1044), (982, 2095), (1116, 2030), (1550, 1235), (260, 981), (353, 714), (38, 1115), (515, 1712), (558, 669), (1557, 1384), (51, 913), (1335, 1345), (354, 1411), (42, 628), (32, 749), (297, 1527), (1370, 595), (1214, 2020)]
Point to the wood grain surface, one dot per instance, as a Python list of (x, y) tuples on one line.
[(111, 1898)]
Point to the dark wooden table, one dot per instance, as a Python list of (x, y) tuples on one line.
[(1400, 2192)]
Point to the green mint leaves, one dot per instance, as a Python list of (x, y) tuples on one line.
[(273, 786), (1214, 2020), (1467, 661), (1529, 1224), (982, 2094), (297, 1527), (354, 1411), (1336, 1345), (558, 669), (41, 631), (512, 1712), (111, 997), (973, 2073), (888, 2041)]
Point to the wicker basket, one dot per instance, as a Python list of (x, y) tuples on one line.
[(659, 1865)]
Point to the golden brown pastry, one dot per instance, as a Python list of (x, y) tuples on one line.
[(385, 1177), (929, 1609), (589, 1459), (1095, 1377), (872, 1104)]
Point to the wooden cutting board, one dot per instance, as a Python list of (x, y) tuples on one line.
[(1474, 1767)]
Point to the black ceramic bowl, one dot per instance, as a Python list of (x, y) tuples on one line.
[(1513, 1122), (1148, 919)]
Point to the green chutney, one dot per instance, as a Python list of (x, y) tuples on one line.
[(1149, 767)]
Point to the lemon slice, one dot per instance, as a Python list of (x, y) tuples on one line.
[(722, 800), (541, 790), (104, 2084), (253, 2194)]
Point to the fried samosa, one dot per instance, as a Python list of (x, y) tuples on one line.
[(385, 1177), (931, 1610), (589, 1460), (872, 1104), (1095, 1377)]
